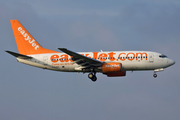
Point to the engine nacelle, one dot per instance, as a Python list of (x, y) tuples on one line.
[(116, 74), (111, 67)]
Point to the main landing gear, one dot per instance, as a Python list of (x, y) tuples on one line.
[(92, 76)]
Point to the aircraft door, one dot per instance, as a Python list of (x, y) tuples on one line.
[(45, 60), (151, 57)]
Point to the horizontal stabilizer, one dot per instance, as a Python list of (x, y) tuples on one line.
[(17, 55)]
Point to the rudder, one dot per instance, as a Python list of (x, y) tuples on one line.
[(26, 44)]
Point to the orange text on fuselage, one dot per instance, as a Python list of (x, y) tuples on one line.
[(103, 56)]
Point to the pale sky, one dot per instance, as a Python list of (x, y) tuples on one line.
[(29, 93)]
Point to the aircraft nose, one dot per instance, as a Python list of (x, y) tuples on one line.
[(171, 62)]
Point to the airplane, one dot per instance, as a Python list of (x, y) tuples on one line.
[(110, 63)]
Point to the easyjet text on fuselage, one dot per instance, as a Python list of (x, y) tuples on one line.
[(103, 56)]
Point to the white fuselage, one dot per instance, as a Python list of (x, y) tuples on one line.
[(130, 60), (110, 63)]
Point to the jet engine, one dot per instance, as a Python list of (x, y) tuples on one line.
[(113, 69)]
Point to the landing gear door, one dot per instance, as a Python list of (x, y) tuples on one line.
[(151, 57)]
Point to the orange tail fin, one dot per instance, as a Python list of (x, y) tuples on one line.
[(26, 44)]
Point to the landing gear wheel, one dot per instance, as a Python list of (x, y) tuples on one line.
[(155, 75), (92, 77)]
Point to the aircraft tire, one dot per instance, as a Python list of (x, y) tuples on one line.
[(90, 75), (155, 75), (94, 78)]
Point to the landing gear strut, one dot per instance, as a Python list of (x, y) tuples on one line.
[(157, 70), (92, 76)]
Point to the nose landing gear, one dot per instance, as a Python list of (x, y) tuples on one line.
[(155, 75), (157, 70)]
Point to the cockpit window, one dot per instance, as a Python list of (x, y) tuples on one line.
[(162, 56)]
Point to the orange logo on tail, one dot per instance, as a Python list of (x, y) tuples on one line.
[(28, 38), (26, 44)]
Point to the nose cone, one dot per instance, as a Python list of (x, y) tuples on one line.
[(171, 62)]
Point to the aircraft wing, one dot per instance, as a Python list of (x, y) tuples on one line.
[(82, 60)]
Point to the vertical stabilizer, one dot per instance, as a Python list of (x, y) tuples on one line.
[(26, 44)]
